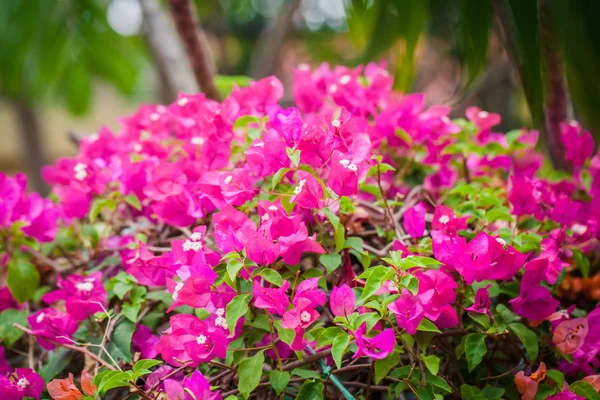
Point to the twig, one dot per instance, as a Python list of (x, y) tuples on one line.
[(196, 45)]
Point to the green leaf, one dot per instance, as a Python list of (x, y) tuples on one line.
[(556, 376), (58, 359), (418, 261), (293, 155), (236, 309), (113, 379), (582, 262), (306, 373), (475, 349), (432, 363), (233, 268), (585, 389), (78, 89), (375, 280), (131, 311), (9, 334), (383, 366), (492, 392), (122, 288), (145, 364), (225, 83), (271, 276), (330, 261), (327, 336), (277, 177), (427, 326), (338, 347), (250, 371), (528, 338), (481, 318), (474, 32), (411, 283), (133, 201), (311, 390), (100, 204), (119, 345), (279, 380), (23, 279)]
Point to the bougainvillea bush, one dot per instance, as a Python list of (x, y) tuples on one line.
[(357, 245)]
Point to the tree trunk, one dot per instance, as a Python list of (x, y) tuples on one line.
[(33, 152), (196, 45), (556, 101), (174, 72)]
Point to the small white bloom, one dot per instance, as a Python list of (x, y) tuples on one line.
[(201, 339), (501, 241), (197, 140), (154, 117), (191, 245), (305, 316), (333, 88), (80, 171), (579, 229), (336, 123), (344, 163), (137, 147), (392, 287), (303, 67), (93, 137), (483, 114), (196, 236), (22, 383), (273, 208), (353, 167), (178, 287), (220, 312), (345, 79), (40, 318), (228, 179), (222, 322), (161, 109), (265, 218), (84, 286), (444, 219), (182, 101), (446, 120), (298, 189)]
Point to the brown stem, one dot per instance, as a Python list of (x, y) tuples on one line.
[(196, 45), (556, 100)]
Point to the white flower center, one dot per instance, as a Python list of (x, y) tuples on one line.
[(444, 219), (220, 312), (40, 318), (348, 165), (196, 236), (154, 117), (201, 339), (579, 229), (228, 179), (273, 208), (178, 287), (483, 114), (84, 286), (190, 245), (137, 147), (305, 316), (333, 88), (182, 101), (345, 79), (336, 123), (80, 171), (23, 383), (446, 120), (222, 322), (298, 189), (197, 140), (501, 241), (265, 218), (392, 287)]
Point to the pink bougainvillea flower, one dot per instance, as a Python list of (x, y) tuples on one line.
[(482, 119), (295, 245), (64, 389), (436, 290), (342, 301), (195, 290), (528, 385), (569, 335), (446, 221), (565, 395), (148, 269), (378, 347), (579, 146), (51, 326), (482, 302), (414, 221), (143, 341), (408, 310), (156, 379), (231, 227), (21, 383), (274, 300), (308, 192), (308, 289), (534, 303), (299, 318), (83, 295)]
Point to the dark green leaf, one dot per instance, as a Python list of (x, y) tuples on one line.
[(528, 338), (432, 363), (475, 349), (279, 380), (9, 334), (338, 348), (250, 371), (330, 261), (311, 390), (383, 366), (119, 346), (476, 21), (23, 279), (236, 309), (585, 389)]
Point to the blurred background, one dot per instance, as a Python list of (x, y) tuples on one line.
[(68, 67)]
